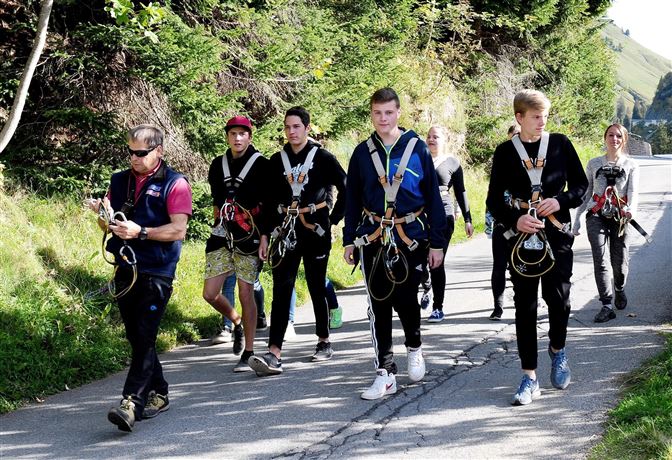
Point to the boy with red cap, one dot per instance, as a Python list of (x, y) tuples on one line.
[(233, 246)]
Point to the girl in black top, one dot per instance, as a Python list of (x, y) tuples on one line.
[(450, 175)]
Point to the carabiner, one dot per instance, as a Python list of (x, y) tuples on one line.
[(129, 260)]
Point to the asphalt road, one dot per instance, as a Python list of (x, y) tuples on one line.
[(461, 410)]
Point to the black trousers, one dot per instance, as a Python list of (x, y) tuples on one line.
[(435, 278), (555, 289), (314, 251), (500, 260), (402, 298), (141, 310)]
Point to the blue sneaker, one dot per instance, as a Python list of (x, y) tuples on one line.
[(560, 373), (426, 299), (527, 391), (435, 317)]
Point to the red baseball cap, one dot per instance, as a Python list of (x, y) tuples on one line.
[(240, 121)]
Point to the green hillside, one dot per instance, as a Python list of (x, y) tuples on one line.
[(639, 69)]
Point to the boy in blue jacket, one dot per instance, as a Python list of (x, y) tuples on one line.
[(394, 225)]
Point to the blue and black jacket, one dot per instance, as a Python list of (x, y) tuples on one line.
[(149, 210), (419, 189)]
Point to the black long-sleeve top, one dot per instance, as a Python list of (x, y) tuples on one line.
[(325, 173), (450, 175), (249, 195), (562, 178)]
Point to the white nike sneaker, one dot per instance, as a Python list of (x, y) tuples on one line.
[(385, 384), (416, 364)]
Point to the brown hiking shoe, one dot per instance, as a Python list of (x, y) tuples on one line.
[(124, 415), (156, 404)]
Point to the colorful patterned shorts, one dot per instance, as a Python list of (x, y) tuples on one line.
[(223, 261)]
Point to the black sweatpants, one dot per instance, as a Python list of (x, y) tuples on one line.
[(314, 250), (401, 298), (141, 310), (555, 287), (435, 278), (500, 260)]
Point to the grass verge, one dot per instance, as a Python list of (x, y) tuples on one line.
[(640, 427), (57, 330)]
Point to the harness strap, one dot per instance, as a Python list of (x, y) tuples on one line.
[(534, 170), (389, 221), (610, 196), (310, 209), (297, 183), (391, 190), (234, 184), (520, 204)]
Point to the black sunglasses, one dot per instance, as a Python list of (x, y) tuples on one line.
[(140, 153)]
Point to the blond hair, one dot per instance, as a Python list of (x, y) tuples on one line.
[(444, 132), (622, 130), (530, 99)]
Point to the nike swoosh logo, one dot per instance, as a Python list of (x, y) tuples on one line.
[(388, 386)]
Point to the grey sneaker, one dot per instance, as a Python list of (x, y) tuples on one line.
[(605, 314), (244, 364), (267, 364), (238, 339), (528, 390), (156, 404), (560, 373), (223, 336), (124, 415), (620, 300), (323, 352)]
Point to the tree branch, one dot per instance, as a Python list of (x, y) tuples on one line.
[(24, 84)]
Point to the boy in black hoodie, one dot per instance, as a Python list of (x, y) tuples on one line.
[(299, 227), (394, 233)]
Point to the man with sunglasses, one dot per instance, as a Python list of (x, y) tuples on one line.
[(147, 209)]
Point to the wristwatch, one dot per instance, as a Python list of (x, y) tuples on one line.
[(143, 233)]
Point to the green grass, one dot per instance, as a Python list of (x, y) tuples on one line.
[(641, 426), (55, 331), (639, 69)]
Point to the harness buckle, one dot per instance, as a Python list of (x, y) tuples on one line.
[(319, 230), (413, 246), (410, 217), (312, 208), (536, 188), (293, 212), (362, 241), (532, 211), (387, 223)]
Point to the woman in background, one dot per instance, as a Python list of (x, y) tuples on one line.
[(611, 201), (450, 175)]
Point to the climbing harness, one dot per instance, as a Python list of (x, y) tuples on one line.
[(612, 206), (232, 212), (283, 237), (532, 255), (393, 259)]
